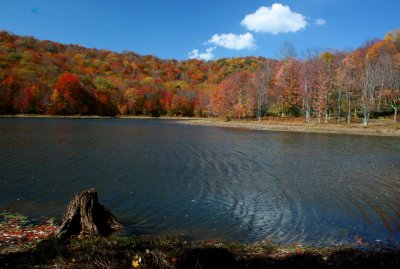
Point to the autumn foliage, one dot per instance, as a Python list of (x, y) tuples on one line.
[(68, 96), (44, 77)]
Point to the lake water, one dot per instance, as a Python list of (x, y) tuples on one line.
[(163, 178)]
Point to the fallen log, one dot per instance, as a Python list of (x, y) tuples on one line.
[(85, 216)]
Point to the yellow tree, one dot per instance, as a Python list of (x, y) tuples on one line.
[(288, 83)]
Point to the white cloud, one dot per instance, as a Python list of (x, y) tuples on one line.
[(232, 41), (194, 54), (208, 55), (320, 22), (275, 19)]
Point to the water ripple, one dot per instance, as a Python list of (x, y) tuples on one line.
[(163, 178)]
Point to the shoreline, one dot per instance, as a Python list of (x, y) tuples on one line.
[(377, 127), (175, 253), (352, 129), (24, 244)]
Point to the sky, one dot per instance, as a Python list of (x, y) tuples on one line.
[(202, 29)]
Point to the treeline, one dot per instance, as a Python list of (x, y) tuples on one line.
[(44, 77)]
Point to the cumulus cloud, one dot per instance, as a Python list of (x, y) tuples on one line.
[(275, 19), (232, 41), (320, 22), (206, 56)]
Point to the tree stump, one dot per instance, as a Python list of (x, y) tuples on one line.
[(85, 216)]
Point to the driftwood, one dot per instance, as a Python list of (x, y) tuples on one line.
[(85, 216)]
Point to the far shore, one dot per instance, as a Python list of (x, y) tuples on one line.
[(376, 127)]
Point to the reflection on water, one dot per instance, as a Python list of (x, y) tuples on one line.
[(163, 178)]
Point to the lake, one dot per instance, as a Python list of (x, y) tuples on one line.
[(160, 178)]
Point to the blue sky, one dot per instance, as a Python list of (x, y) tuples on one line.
[(207, 29)]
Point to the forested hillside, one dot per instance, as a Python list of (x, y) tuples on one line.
[(44, 77)]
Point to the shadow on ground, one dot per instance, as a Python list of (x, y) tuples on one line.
[(150, 253)]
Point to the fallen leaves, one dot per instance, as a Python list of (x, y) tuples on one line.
[(153, 259), (136, 261), (17, 231)]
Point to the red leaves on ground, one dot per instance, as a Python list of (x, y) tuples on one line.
[(16, 230)]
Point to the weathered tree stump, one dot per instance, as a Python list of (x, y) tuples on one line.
[(85, 216)]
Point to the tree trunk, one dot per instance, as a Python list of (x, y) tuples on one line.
[(394, 106), (366, 115), (85, 216), (259, 104), (348, 109), (326, 108), (380, 97), (339, 106)]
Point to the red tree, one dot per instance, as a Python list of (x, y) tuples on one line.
[(68, 96)]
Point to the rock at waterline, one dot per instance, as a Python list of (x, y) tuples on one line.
[(85, 216)]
